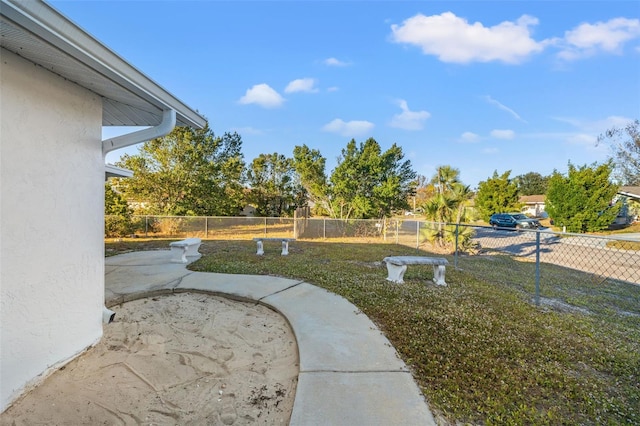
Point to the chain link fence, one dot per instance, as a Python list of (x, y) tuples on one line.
[(553, 258), (562, 269)]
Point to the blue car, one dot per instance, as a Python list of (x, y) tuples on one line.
[(513, 221)]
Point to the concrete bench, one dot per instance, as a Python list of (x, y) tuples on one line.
[(180, 250), (397, 266), (285, 244)]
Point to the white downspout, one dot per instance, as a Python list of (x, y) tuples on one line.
[(164, 128)]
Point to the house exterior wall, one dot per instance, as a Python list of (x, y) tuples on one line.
[(533, 209), (51, 223)]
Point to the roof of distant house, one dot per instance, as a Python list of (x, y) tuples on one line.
[(631, 191), (39, 33), (532, 199)]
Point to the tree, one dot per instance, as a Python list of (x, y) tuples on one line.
[(117, 213), (187, 172), (370, 183), (309, 164), (450, 196), (366, 182), (275, 188), (625, 147), (497, 194), (582, 200), (532, 183), (422, 192), (447, 205)]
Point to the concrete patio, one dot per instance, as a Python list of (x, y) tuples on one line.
[(349, 372)]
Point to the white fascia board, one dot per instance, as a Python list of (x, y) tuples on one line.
[(48, 24), (630, 195), (114, 171)]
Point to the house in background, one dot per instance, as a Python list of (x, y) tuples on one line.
[(533, 205), (59, 87), (630, 211)]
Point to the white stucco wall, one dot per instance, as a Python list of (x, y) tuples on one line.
[(51, 223)]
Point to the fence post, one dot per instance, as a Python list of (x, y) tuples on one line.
[(146, 226), (537, 268), (397, 231), (417, 234), (384, 229), (295, 223), (206, 227), (265, 226), (324, 228), (455, 253)]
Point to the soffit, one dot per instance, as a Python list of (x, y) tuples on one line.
[(41, 35)]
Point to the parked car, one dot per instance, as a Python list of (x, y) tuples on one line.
[(513, 220)]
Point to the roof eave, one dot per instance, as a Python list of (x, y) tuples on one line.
[(115, 171), (62, 34)]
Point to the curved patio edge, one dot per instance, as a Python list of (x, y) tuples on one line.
[(349, 372)]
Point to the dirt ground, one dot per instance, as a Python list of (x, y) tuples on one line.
[(180, 359)]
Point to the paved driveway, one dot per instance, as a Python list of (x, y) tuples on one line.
[(584, 253)]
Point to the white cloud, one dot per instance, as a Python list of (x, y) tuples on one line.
[(307, 85), (584, 141), (263, 95), (587, 131), (333, 89), (333, 62), (491, 150), (595, 126), (469, 137), (454, 39), (503, 134), (589, 39), (409, 120), (581, 139), (504, 108), (348, 128)]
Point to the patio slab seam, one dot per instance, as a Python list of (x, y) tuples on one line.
[(261, 300)]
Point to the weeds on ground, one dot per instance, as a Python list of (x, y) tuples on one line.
[(480, 350)]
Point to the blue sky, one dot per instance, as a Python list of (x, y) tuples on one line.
[(480, 86)]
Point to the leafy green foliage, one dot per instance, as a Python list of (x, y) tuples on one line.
[(444, 236), (275, 190), (625, 147), (532, 183), (370, 183), (581, 201), (187, 172), (366, 183), (450, 199), (447, 204), (309, 164), (499, 194), (118, 222)]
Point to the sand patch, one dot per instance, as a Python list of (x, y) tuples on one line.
[(181, 359)]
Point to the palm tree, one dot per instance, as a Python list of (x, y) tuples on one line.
[(447, 205), (463, 194)]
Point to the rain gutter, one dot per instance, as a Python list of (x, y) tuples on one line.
[(164, 128)]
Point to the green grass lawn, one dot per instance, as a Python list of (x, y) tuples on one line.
[(479, 349)]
